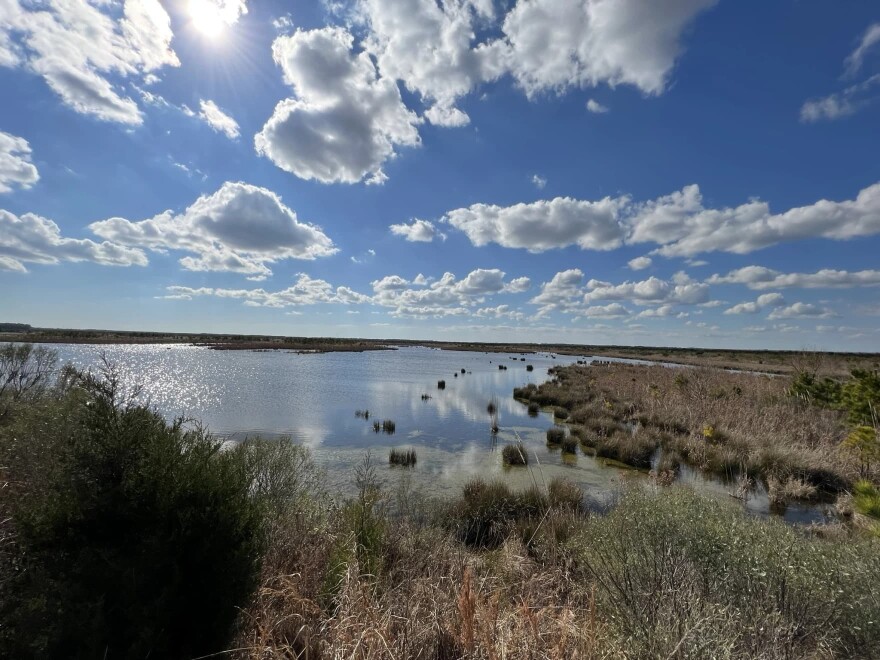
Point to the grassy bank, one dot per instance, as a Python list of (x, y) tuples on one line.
[(739, 426)]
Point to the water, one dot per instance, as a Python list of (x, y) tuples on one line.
[(312, 399)]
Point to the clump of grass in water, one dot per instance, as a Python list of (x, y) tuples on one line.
[(560, 413), (530, 367), (569, 445), (555, 435), (365, 414), (402, 457), (426, 397), (534, 409), (386, 426), (515, 454), (492, 408), (463, 370), (441, 384)]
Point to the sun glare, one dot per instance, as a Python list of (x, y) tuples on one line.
[(207, 17)]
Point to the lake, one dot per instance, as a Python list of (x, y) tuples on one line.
[(312, 399)]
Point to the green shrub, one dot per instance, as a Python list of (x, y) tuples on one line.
[(866, 498), (679, 575), (136, 538)]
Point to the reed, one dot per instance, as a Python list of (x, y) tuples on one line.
[(402, 457)]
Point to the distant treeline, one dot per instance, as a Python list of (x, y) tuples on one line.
[(15, 327)]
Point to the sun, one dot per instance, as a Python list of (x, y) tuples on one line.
[(207, 17)]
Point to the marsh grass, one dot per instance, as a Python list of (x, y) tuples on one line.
[(499, 573), (718, 422), (403, 457), (534, 409), (515, 454), (555, 436), (441, 384)]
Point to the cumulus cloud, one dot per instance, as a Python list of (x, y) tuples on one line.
[(82, 49), (640, 263), (240, 228), (762, 278), (763, 301), (217, 119), (681, 290), (16, 168), (418, 231), (684, 227), (543, 225), (431, 48), (679, 223), (610, 311), (306, 291), (596, 108), (33, 239), (345, 121), (801, 311), (446, 296), (557, 44)]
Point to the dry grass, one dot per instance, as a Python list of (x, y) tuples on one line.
[(719, 422)]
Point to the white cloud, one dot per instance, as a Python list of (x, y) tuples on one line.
[(640, 263), (841, 104), (539, 181), (16, 168), (869, 39), (76, 46), (684, 227), (217, 119), (444, 297), (678, 223), (306, 291), (418, 231), (543, 225), (801, 310), (33, 239), (662, 311), (429, 46), (763, 301), (682, 290), (557, 44), (561, 292), (610, 311), (596, 108), (761, 278), (240, 228), (346, 119)]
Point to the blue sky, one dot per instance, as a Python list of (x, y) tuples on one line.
[(686, 172)]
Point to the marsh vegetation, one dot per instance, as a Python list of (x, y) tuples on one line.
[(125, 535)]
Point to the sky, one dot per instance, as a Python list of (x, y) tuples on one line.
[(624, 172)]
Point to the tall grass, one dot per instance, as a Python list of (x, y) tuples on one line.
[(403, 457)]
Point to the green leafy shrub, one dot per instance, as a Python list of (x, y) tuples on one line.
[(135, 537), (670, 570)]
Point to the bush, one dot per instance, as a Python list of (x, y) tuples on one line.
[(534, 409), (135, 537), (670, 569), (866, 498), (515, 454), (569, 445)]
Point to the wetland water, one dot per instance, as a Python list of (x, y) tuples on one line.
[(312, 398)]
